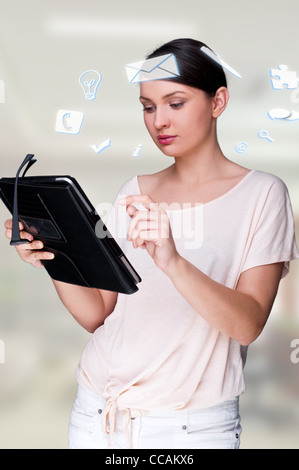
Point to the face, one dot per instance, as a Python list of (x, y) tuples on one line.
[(179, 118)]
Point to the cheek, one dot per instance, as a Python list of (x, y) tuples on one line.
[(200, 120)]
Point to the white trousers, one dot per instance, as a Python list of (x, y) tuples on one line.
[(217, 427)]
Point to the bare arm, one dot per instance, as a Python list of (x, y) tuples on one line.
[(88, 306), (241, 313)]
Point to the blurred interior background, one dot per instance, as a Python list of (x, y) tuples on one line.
[(44, 48)]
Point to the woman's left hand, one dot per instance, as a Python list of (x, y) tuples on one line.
[(151, 230)]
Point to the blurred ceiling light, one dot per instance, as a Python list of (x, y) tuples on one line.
[(117, 27)]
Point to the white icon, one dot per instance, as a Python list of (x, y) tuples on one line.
[(90, 81), (241, 147), (283, 77), (284, 114), (137, 151), (219, 61), (295, 96), (293, 117), (157, 68), (99, 148), (69, 122), (264, 135), (2, 92), (279, 113)]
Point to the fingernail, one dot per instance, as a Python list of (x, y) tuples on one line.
[(50, 256)]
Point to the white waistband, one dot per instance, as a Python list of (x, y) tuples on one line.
[(109, 408)]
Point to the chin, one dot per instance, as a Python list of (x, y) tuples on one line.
[(168, 150)]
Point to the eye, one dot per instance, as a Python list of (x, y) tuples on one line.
[(149, 109), (176, 105)]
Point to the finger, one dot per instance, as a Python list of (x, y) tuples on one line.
[(26, 236), (131, 210), (42, 255), (143, 227), (142, 220), (23, 235), (8, 233), (35, 245), (143, 199), (147, 236), (8, 224), (35, 257), (37, 261)]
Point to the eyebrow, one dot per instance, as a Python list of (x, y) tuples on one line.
[(166, 96)]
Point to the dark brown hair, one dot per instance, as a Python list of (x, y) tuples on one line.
[(196, 68)]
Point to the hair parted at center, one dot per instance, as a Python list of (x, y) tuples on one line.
[(196, 68)]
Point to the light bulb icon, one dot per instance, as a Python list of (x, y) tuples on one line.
[(90, 81)]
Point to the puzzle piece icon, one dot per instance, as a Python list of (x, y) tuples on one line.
[(283, 77)]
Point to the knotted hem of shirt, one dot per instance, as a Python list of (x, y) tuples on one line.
[(110, 420)]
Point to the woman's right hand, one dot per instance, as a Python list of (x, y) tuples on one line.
[(29, 252)]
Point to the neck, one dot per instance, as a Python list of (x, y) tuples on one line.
[(200, 166)]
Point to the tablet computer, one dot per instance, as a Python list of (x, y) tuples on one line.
[(55, 210)]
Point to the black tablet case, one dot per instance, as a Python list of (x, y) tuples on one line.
[(55, 210)]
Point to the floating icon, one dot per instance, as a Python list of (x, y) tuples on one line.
[(2, 92), (90, 81), (295, 96), (241, 147), (69, 122), (157, 68), (283, 77), (279, 113), (137, 151), (99, 148), (264, 135), (284, 114), (293, 117), (219, 61)]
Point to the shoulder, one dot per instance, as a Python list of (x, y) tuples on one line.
[(269, 189), (140, 184), (267, 181)]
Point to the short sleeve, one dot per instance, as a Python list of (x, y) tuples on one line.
[(273, 239), (117, 219)]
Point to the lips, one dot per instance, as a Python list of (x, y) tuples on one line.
[(166, 139)]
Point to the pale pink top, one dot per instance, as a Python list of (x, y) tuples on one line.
[(155, 352)]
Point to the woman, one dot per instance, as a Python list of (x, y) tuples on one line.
[(164, 367)]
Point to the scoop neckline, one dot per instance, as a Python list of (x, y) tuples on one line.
[(205, 204)]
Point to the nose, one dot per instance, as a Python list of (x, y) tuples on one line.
[(161, 118)]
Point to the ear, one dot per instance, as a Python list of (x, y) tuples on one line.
[(220, 101)]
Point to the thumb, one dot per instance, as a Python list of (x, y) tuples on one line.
[(131, 210)]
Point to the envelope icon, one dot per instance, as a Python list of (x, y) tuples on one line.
[(157, 68), (219, 61)]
